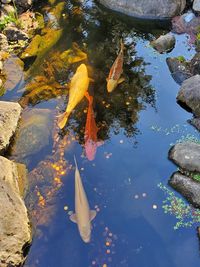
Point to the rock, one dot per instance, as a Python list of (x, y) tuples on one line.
[(3, 42), (15, 233), (179, 68), (186, 155), (6, 1), (195, 122), (8, 9), (187, 187), (186, 23), (15, 34), (13, 71), (9, 116), (33, 134), (165, 43), (189, 95), (196, 5), (195, 64), (147, 9), (23, 5)]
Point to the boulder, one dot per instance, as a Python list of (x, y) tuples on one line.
[(9, 116), (186, 155), (179, 68), (33, 135), (147, 9), (189, 95), (196, 5), (165, 43), (15, 233), (187, 187)]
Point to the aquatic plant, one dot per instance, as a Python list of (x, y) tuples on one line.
[(184, 213), (196, 177), (181, 59), (6, 20)]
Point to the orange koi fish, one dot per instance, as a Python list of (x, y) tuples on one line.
[(78, 87), (91, 130), (116, 71)]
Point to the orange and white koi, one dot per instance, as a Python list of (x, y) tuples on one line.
[(78, 87), (114, 77), (91, 130)]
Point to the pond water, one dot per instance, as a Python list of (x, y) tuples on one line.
[(138, 123)]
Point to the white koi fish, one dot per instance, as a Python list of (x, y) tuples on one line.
[(83, 215)]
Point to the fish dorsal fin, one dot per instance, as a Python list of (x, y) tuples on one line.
[(73, 218), (93, 214)]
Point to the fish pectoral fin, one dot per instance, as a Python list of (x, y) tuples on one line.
[(93, 214), (73, 218), (100, 143), (121, 80), (91, 80)]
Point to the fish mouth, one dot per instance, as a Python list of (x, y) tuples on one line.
[(86, 239)]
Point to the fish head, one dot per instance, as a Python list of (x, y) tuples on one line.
[(111, 85), (90, 149), (85, 233), (82, 69)]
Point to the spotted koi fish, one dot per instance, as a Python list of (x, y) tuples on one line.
[(116, 71)]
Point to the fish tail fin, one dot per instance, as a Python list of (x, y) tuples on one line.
[(89, 98), (62, 119)]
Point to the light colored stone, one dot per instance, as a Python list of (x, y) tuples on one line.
[(196, 5), (8, 9), (15, 233), (3, 42), (9, 117), (165, 43)]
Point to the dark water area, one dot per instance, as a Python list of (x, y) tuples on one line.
[(138, 123)]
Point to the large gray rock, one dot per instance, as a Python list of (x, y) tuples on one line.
[(186, 155), (9, 117), (15, 234), (187, 187), (189, 95), (147, 8), (165, 43)]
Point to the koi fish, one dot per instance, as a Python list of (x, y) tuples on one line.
[(114, 77), (78, 87), (83, 215), (91, 130)]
